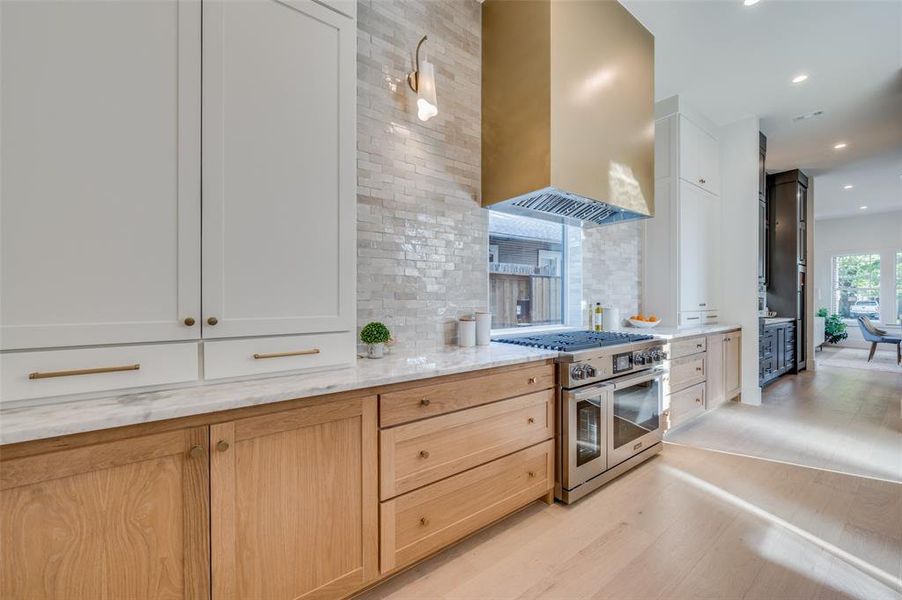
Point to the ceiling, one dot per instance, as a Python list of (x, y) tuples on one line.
[(733, 61)]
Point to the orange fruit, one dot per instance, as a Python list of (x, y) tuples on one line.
[(653, 318)]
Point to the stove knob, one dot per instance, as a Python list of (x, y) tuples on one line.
[(576, 372), (639, 358), (590, 371)]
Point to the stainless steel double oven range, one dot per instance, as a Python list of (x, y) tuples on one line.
[(610, 405)]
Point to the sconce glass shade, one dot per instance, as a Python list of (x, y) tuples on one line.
[(427, 106)]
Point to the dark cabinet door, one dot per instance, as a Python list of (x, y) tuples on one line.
[(780, 344), (803, 225)]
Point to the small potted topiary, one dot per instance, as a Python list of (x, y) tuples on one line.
[(375, 335)]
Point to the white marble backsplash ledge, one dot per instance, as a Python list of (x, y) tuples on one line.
[(21, 423)]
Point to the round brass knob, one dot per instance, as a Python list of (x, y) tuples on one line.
[(212, 321), (530, 420), (222, 445), (424, 521), (189, 321), (531, 473), (196, 451), (425, 402), (424, 454), (532, 380), (698, 400)]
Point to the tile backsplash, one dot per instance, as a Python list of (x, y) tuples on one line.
[(422, 235)]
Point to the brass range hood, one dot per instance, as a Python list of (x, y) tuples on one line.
[(567, 111)]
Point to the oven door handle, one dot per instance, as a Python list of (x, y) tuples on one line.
[(648, 376)]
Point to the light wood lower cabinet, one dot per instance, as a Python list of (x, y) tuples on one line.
[(122, 519), (420, 453), (419, 523), (732, 364), (294, 502)]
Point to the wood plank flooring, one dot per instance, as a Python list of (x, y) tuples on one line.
[(701, 523)]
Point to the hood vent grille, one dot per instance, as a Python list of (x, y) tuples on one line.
[(557, 205)]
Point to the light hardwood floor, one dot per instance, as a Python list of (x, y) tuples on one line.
[(700, 523)]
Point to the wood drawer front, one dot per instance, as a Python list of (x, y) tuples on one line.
[(684, 372), (681, 348), (159, 364), (236, 358), (421, 453), (404, 406), (419, 523), (687, 404)]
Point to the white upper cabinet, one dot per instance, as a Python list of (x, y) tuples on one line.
[(279, 93), (699, 156), (101, 176)]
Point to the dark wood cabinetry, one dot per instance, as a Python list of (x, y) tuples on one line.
[(787, 258), (778, 350)]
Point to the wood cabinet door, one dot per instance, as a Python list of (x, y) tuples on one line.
[(101, 172), (709, 252), (295, 502), (714, 383), (732, 359), (123, 519), (279, 168)]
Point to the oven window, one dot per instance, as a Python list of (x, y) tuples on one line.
[(589, 430), (636, 412)]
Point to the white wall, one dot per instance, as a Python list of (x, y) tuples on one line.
[(739, 252), (863, 234)]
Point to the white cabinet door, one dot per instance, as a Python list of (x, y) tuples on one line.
[(101, 174), (691, 245), (709, 162), (708, 279), (699, 156), (689, 136), (279, 164)]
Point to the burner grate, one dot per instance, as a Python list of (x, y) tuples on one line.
[(571, 341)]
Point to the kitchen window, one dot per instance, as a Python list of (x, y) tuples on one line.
[(528, 271), (856, 286)]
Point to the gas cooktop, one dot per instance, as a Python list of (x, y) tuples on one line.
[(571, 341)]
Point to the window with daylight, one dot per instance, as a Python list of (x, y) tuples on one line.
[(527, 271), (856, 286)]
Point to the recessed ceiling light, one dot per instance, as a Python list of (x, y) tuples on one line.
[(799, 78), (840, 146), (863, 207), (750, 2), (848, 187)]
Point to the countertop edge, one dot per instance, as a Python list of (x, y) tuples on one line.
[(27, 421)]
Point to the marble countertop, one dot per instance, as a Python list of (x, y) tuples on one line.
[(24, 422), (773, 320), (675, 333)]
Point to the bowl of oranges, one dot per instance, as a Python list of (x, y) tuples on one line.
[(645, 322)]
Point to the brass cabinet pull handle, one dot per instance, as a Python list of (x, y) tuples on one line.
[(212, 321), (425, 402), (699, 369), (189, 321), (692, 318), (49, 374), (530, 420), (531, 473), (281, 354), (424, 454), (698, 346), (222, 445), (424, 521), (196, 451), (698, 400), (532, 380)]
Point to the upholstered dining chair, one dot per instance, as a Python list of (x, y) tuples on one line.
[(878, 336)]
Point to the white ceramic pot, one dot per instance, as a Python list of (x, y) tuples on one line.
[(375, 350)]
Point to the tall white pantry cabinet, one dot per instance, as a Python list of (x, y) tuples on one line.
[(682, 243), (178, 191)]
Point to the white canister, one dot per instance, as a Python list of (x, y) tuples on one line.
[(466, 332), (483, 328), (611, 319)]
